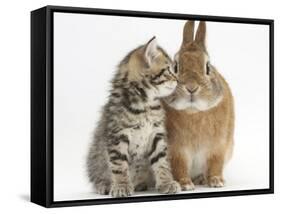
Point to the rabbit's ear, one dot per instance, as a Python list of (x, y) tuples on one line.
[(200, 37), (188, 32), (151, 51)]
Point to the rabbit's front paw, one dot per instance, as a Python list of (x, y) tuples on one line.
[(121, 190), (216, 181), (186, 184), (171, 187)]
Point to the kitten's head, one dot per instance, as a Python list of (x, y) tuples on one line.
[(151, 64)]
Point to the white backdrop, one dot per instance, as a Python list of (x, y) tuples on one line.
[(15, 106), (87, 49)]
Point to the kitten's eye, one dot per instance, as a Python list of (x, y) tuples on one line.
[(208, 68), (176, 68)]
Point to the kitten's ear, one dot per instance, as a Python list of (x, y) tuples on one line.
[(150, 51)]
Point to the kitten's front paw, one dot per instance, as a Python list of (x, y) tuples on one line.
[(171, 187), (102, 189), (121, 190), (186, 184), (216, 181)]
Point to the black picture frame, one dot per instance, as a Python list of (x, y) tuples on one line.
[(42, 184)]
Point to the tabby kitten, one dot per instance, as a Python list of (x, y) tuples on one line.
[(129, 149)]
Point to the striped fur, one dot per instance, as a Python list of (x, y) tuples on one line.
[(129, 149)]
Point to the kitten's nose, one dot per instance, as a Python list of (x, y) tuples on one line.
[(192, 89)]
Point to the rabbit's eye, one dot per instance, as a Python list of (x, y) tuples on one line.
[(208, 68)]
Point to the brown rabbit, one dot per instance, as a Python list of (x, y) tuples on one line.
[(200, 115)]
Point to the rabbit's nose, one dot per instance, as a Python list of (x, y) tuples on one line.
[(192, 89)]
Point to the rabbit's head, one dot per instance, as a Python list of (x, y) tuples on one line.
[(199, 87)]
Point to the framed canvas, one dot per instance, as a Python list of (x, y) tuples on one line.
[(130, 106)]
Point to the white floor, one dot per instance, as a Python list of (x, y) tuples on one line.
[(199, 189)]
